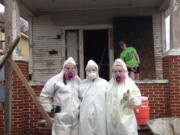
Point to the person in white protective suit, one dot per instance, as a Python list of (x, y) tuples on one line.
[(121, 97), (63, 88), (92, 110)]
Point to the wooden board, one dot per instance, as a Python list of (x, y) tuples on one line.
[(1, 106)]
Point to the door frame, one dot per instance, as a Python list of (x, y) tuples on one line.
[(77, 62), (80, 29)]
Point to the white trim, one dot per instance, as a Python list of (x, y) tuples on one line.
[(81, 54), (89, 27), (151, 81), (25, 36), (172, 52), (111, 54), (31, 83), (20, 58), (157, 38), (81, 43)]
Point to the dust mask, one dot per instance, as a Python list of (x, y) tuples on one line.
[(92, 75)]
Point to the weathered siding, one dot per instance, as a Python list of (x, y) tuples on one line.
[(44, 64), (157, 44), (91, 17)]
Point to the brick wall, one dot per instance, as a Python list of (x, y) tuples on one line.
[(32, 115), (24, 112), (171, 66), (158, 96), (1, 119), (18, 103), (1, 122)]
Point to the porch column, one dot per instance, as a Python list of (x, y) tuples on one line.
[(171, 60), (175, 24)]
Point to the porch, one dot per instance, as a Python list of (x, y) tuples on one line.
[(59, 29)]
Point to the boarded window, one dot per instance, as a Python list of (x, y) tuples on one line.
[(136, 32), (25, 47)]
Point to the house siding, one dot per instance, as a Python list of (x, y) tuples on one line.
[(44, 40)]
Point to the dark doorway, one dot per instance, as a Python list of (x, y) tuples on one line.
[(136, 32), (96, 48)]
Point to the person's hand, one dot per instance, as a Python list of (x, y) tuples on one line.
[(126, 95), (56, 109)]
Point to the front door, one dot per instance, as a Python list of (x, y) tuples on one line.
[(96, 48)]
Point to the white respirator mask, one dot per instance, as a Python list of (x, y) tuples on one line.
[(92, 75)]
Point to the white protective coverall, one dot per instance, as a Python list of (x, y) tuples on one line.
[(92, 110), (66, 96), (120, 116)]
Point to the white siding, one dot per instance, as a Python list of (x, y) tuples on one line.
[(157, 44), (46, 65), (94, 17)]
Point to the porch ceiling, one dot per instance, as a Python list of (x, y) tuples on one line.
[(59, 5)]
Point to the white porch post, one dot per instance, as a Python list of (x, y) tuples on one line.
[(175, 24)]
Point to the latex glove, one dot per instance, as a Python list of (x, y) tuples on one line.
[(126, 95), (56, 109)]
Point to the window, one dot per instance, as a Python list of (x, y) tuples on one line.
[(1, 8), (167, 25), (24, 26), (2, 39), (25, 46), (2, 85)]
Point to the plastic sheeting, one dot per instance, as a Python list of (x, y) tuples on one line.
[(165, 126)]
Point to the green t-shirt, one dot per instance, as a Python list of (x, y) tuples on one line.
[(129, 57)]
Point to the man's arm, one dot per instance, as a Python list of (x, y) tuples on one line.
[(137, 57)]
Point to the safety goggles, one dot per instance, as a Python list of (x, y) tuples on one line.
[(118, 71), (70, 69)]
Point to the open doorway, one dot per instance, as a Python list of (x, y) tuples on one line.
[(96, 48)]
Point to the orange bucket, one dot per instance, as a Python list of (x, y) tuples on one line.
[(142, 111)]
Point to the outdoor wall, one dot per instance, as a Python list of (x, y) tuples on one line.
[(158, 95), (44, 65), (171, 66), (18, 103), (1, 122)]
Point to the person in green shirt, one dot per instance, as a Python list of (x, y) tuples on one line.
[(131, 58)]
